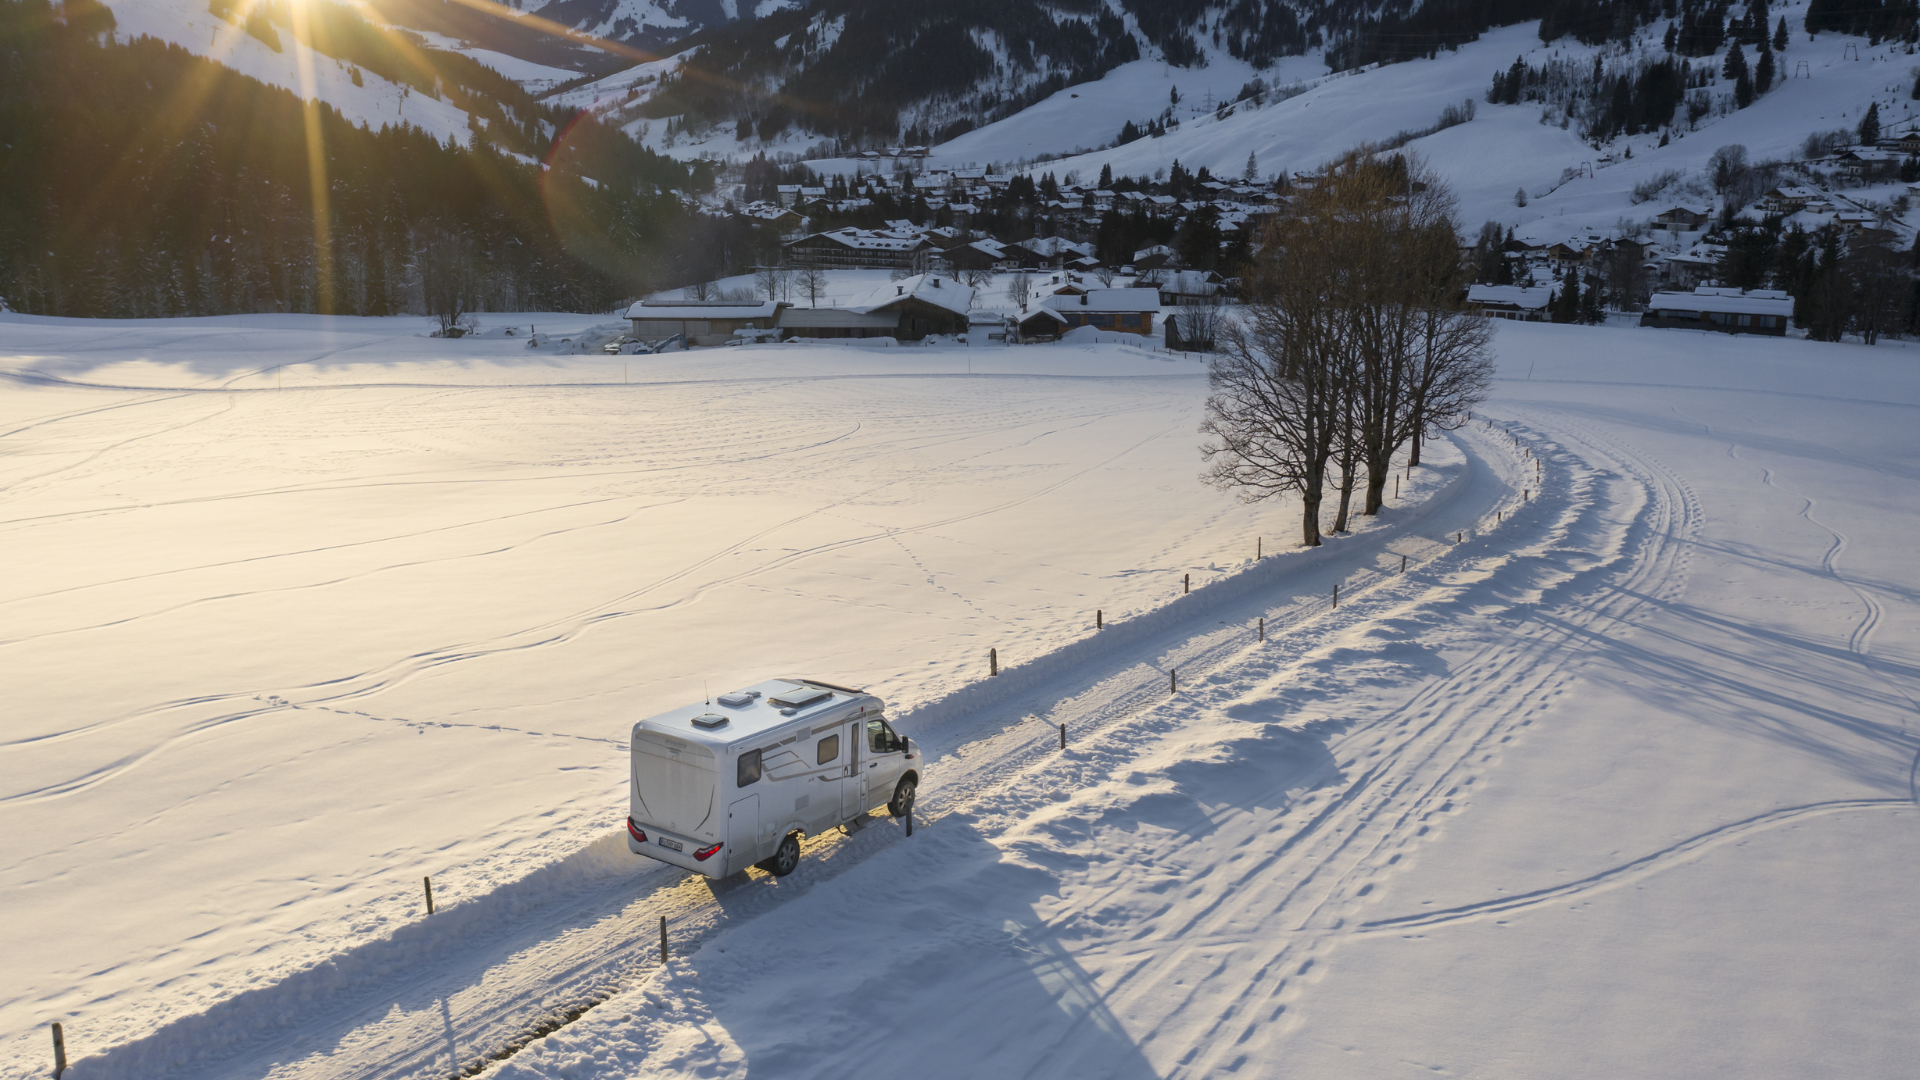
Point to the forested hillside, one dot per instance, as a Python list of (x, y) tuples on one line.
[(870, 71), (138, 179)]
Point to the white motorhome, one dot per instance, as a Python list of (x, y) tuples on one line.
[(716, 788)]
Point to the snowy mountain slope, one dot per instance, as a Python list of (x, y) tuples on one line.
[(1502, 149), (294, 67), (650, 24), (858, 74)]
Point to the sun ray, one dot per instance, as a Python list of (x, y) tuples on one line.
[(316, 158)]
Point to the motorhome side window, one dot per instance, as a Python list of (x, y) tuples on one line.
[(749, 769), (881, 739), (829, 750)]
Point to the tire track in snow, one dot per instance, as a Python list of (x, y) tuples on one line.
[(1452, 723)]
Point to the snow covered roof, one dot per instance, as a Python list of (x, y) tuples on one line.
[(862, 240), (1728, 290), (1108, 300), (1723, 300), (1187, 282), (1048, 246), (702, 309), (1518, 296), (939, 290)]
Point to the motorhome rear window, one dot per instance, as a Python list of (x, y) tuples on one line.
[(829, 751), (749, 769), (799, 697)]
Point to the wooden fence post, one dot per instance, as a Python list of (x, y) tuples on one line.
[(1263, 628), (993, 661), (1097, 625), (1403, 564), (429, 883), (59, 1050), (1186, 584), (1336, 595), (1173, 681), (663, 941), (1063, 736)]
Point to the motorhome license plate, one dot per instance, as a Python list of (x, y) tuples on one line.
[(671, 845)]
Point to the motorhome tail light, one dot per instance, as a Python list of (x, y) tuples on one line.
[(635, 831), (705, 853)]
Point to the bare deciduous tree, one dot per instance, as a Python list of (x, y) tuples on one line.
[(813, 284), (1018, 286), (446, 269), (1355, 341)]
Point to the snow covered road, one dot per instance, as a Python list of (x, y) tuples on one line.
[(1621, 784)]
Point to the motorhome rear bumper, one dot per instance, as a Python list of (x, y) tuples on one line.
[(713, 866)]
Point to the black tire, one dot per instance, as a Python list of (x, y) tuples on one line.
[(902, 803), (785, 858)]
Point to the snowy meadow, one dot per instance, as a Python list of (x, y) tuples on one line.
[(1617, 778)]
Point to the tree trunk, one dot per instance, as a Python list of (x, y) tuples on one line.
[(1413, 456), (1310, 497), (1377, 487), (1346, 492)]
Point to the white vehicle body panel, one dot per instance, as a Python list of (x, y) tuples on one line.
[(745, 772)]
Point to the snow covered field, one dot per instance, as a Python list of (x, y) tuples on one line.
[(1621, 783)]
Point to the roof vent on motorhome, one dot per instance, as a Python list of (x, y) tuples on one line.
[(799, 697), (738, 698), (709, 720)]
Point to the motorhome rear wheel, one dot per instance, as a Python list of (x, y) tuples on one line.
[(785, 858)]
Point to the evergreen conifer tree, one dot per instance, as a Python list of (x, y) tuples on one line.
[(1870, 125), (1763, 70), (1106, 176), (1780, 36), (1735, 70)]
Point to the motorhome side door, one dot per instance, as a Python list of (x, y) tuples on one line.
[(853, 789)]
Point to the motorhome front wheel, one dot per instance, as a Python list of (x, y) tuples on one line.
[(902, 803)]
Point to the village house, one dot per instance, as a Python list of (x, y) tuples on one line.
[(908, 310), (1686, 269), (1790, 199), (1516, 302), (1152, 258), (859, 249), (1867, 163), (1047, 252), (704, 322), (1731, 311), (1185, 287), (985, 254), (1682, 219), (1129, 311)]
